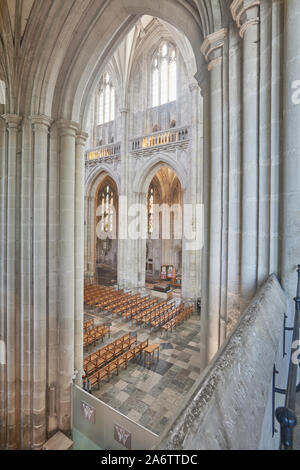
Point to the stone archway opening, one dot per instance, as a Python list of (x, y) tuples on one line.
[(106, 232), (101, 229), (164, 229)]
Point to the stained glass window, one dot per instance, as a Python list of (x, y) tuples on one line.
[(150, 209), (107, 210)]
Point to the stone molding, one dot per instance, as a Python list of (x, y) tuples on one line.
[(245, 13), (81, 138), (13, 121), (212, 48), (66, 128), (40, 123)]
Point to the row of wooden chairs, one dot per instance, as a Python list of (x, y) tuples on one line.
[(138, 316), (158, 318), (98, 353), (103, 301), (95, 293), (135, 301), (153, 312), (145, 306), (92, 293), (93, 335), (116, 364), (117, 302), (88, 324), (108, 353), (178, 320), (166, 317)]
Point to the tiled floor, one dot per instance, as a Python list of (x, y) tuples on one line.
[(149, 397)]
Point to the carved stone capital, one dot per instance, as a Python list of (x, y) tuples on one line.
[(212, 48), (81, 138), (40, 123), (245, 13), (13, 121), (66, 128)]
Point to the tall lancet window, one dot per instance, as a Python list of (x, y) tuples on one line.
[(106, 101), (150, 209), (106, 210), (164, 75)]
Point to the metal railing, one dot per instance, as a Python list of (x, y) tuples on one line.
[(286, 415)]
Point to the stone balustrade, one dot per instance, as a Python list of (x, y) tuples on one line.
[(175, 136), (110, 150), (171, 136)]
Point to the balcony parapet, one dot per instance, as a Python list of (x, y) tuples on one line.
[(171, 138), (103, 153)]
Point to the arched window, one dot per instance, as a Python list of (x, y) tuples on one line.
[(164, 75), (106, 101), (107, 214), (150, 209)]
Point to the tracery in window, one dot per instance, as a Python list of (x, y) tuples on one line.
[(106, 101), (150, 209), (107, 210), (164, 75)]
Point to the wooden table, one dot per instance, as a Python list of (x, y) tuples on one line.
[(149, 354)]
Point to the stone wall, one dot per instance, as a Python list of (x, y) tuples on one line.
[(226, 408)]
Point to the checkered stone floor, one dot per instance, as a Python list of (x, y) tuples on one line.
[(150, 396)]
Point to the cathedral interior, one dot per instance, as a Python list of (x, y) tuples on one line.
[(150, 224)]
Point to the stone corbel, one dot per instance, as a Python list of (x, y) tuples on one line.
[(212, 48), (245, 13)]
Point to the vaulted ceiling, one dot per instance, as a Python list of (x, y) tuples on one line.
[(52, 51)]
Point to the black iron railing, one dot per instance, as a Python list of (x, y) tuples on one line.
[(286, 415)]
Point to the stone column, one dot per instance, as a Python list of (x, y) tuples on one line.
[(234, 177), (265, 103), (276, 131), (79, 253), (212, 49), (26, 288), (3, 211), (53, 280), (191, 252), (40, 127), (66, 296), (13, 123), (290, 217), (90, 238), (123, 264), (246, 14), (138, 274)]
